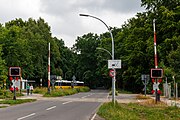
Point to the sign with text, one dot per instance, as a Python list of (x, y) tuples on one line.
[(114, 64)]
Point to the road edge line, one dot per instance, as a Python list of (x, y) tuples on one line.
[(94, 113)]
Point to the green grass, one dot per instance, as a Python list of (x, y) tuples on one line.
[(42, 90), (135, 111), (83, 89), (5, 94), (17, 101), (60, 92), (142, 97), (3, 106), (124, 92), (120, 92)]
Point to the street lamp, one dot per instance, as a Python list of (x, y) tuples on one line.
[(98, 48), (113, 78)]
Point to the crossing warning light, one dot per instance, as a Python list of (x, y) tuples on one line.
[(156, 73), (15, 71)]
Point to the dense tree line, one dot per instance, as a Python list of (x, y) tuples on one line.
[(25, 44), (134, 45)]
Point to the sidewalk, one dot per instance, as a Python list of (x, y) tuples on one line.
[(171, 102), (33, 96)]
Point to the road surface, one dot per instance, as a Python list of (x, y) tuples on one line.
[(81, 106)]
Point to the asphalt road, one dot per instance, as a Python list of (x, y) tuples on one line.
[(81, 106)]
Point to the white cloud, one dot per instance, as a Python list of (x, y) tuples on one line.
[(12, 9), (63, 15)]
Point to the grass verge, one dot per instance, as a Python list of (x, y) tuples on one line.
[(142, 97), (60, 92), (135, 111), (5, 94), (18, 101)]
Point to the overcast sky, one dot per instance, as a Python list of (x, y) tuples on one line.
[(63, 15)]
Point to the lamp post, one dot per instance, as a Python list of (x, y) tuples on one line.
[(98, 48), (113, 78)]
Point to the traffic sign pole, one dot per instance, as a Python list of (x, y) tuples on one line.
[(14, 97), (113, 87)]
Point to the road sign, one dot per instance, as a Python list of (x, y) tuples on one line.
[(116, 64), (53, 77), (53, 81), (112, 73), (156, 86), (145, 78), (16, 83)]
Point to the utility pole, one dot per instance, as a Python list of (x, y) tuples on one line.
[(111, 35)]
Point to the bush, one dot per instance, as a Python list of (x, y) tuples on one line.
[(18, 101), (55, 93), (84, 89), (64, 92), (70, 91), (40, 90), (8, 94)]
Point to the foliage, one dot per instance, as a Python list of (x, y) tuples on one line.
[(60, 92), (83, 89), (6, 94), (134, 111), (40, 90), (86, 67), (18, 101), (134, 46), (25, 44)]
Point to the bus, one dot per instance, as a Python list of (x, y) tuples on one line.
[(65, 84)]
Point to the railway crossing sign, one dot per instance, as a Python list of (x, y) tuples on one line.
[(156, 86), (16, 83)]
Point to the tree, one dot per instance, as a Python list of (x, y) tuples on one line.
[(86, 46), (3, 68)]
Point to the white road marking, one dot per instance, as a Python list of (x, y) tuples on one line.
[(26, 116), (66, 102), (51, 108), (84, 97), (87, 95), (93, 116)]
